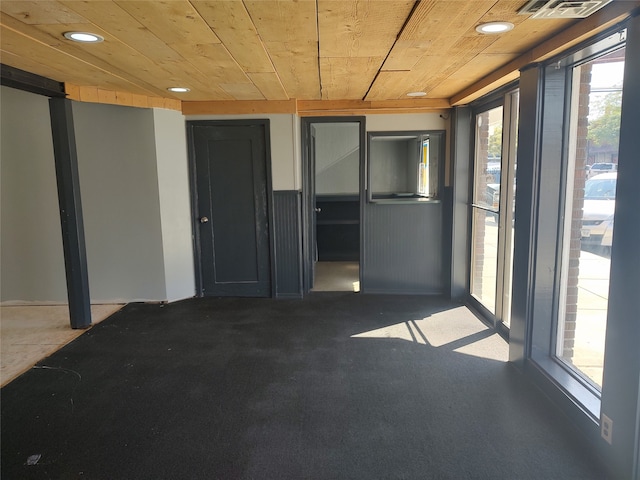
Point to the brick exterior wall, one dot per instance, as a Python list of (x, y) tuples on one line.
[(571, 304), (480, 187)]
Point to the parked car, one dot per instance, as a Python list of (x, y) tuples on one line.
[(493, 172), (492, 199), (598, 210), (598, 168)]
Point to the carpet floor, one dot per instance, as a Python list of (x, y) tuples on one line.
[(335, 386)]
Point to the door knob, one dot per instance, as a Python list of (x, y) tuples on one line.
[(204, 219), (318, 209)]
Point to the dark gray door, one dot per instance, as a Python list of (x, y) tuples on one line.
[(232, 226)]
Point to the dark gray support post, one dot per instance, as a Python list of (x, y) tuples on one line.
[(461, 172), (621, 379), (524, 237), (75, 257)]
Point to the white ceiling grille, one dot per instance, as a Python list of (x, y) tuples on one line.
[(542, 9)]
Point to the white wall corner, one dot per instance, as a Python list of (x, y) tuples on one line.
[(175, 203)]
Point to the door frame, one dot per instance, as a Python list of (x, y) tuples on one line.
[(501, 98), (195, 217), (308, 190)]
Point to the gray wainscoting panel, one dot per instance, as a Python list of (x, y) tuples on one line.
[(403, 249), (288, 251)]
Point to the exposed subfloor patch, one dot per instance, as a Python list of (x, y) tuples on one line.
[(32, 332)]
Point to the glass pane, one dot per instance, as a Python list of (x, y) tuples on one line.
[(510, 206), (486, 200), (590, 205), (486, 187), (484, 258)]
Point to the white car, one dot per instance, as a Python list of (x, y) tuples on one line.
[(597, 213)]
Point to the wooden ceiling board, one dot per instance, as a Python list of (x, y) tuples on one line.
[(24, 52), (528, 35), (433, 27), (40, 12), (161, 74), (173, 21), (385, 83), (348, 78), (358, 28), (68, 56), (269, 85), (298, 68), (405, 82), (243, 91), (111, 18), (233, 25), (288, 31), (250, 50), (203, 58), (467, 74), (284, 21)]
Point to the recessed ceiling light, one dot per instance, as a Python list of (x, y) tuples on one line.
[(494, 27), (84, 37), (417, 94), (178, 89)]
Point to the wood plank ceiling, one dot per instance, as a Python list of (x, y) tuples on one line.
[(374, 50)]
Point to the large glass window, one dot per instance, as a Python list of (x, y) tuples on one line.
[(589, 204)]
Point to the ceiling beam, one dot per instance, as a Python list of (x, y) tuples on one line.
[(308, 108), (239, 107)]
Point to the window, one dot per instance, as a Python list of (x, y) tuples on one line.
[(404, 165), (589, 204), (572, 220)]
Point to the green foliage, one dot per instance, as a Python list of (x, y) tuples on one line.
[(604, 130), (495, 142)]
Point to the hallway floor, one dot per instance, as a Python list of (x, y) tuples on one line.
[(334, 386), (337, 277)]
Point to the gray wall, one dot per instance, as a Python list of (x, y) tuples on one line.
[(391, 169), (31, 239), (175, 206), (120, 199), (338, 159), (135, 194)]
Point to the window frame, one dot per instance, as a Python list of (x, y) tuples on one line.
[(554, 185)]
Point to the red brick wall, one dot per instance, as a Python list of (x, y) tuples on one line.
[(576, 214)]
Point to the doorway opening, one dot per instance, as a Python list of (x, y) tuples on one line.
[(334, 154)]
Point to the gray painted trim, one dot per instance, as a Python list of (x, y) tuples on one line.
[(288, 246), (621, 380), (462, 136), (307, 187), (526, 200)]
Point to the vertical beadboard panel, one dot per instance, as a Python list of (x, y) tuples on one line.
[(403, 251), (288, 252)]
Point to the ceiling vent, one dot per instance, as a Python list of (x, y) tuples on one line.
[(542, 9)]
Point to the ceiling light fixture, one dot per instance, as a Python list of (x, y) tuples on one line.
[(83, 37), (494, 27), (178, 89), (417, 94)]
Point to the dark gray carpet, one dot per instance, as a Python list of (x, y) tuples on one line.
[(279, 389)]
